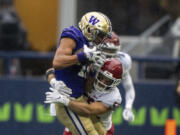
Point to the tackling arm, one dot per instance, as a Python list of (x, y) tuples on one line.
[(82, 108), (86, 109)]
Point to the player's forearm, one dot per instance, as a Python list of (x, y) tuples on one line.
[(62, 61), (130, 96), (80, 108), (129, 90), (86, 109)]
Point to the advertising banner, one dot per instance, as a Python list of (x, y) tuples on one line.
[(23, 112), (154, 104)]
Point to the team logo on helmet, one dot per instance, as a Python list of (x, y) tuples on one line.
[(93, 20), (95, 24)]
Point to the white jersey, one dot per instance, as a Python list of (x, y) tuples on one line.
[(127, 83), (110, 99), (126, 61)]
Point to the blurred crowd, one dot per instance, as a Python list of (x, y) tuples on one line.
[(13, 37), (129, 17), (13, 34)]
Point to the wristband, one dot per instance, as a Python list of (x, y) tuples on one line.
[(81, 57), (51, 71)]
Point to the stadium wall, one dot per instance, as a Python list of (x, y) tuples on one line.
[(23, 112), (40, 19)]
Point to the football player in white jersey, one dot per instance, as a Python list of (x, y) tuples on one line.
[(111, 49), (103, 98)]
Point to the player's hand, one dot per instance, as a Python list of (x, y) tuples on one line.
[(53, 96), (98, 64), (88, 49), (97, 58), (93, 56), (128, 115), (61, 87), (90, 55)]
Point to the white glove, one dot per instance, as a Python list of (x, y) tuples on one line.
[(88, 49), (61, 87), (93, 56), (97, 58), (98, 64), (55, 97), (128, 115)]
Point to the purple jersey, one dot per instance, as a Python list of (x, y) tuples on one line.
[(70, 74)]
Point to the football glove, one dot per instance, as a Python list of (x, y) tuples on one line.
[(88, 49), (61, 87), (98, 64), (89, 56), (53, 96), (97, 58), (128, 115), (93, 56)]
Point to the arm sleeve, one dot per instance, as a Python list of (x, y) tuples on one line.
[(129, 90), (127, 80)]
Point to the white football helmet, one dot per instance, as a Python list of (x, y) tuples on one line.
[(109, 75), (95, 26), (110, 46)]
